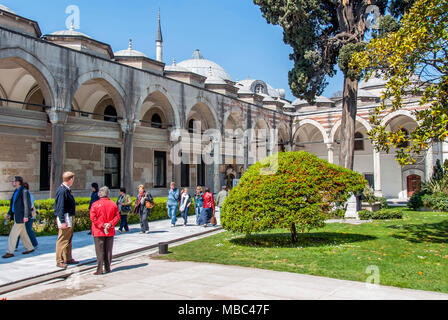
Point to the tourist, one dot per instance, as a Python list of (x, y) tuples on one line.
[(20, 213), (93, 197), (124, 204), (208, 210), (65, 210), (141, 208), (220, 198), (173, 203), (198, 202), (185, 203), (104, 216), (29, 223)]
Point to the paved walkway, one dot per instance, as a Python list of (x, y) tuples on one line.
[(43, 260), (145, 278), (142, 277)]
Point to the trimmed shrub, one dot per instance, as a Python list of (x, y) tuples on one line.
[(437, 201), (299, 196), (380, 215)]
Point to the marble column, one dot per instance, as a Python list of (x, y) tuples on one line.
[(330, 147), (58, 119), (377, 173), (216, 164), (128, 128)]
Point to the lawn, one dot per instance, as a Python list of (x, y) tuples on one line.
[(410, 253)]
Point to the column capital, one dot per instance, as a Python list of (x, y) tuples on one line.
[(330, 145), (57, 116), (128, 126)]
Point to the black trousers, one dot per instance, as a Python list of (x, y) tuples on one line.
[(103, 248), (124, 223)]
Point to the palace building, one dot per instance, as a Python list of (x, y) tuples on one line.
[(69, 102)]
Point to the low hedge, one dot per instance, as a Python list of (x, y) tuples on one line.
[(380, 215), (46, 221)]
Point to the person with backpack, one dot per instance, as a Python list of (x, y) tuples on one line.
[(29, 224), (124, 204)]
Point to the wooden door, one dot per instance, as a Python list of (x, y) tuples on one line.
[(413, 184)]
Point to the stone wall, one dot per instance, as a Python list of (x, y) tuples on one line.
[(19, 156)]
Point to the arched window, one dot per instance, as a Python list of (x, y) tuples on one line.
[(259, 88), (191, 125), (156, 121), (359, 141), (404, 144), (110, 114)]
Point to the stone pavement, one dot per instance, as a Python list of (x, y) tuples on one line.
[(43, 260), (146, 278)]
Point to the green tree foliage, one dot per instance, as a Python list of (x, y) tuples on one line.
[(317, 30), (413, 60), (299, 196)]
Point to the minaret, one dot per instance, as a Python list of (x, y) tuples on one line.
[(159, 43)]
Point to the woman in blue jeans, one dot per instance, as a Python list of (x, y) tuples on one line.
[(198, 203), (29, 224), (173, 203)]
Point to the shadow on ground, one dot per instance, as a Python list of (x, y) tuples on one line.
[(426, 232), (129, 267), (317, 239)]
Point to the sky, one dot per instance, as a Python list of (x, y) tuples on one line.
[(232, 33)]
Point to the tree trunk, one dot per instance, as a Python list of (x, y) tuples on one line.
[(348, 122), (294, 235)]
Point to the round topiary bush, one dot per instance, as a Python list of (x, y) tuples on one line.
[(298, 196)]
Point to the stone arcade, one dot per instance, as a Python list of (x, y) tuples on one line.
[(68, 102)]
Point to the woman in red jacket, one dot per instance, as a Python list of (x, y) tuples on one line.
[(208, 210), (104, 215)]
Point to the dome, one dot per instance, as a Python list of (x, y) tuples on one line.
[(70, 33), (372, 82), (197, 64), (176, 68), (129, 52), (2, 7)]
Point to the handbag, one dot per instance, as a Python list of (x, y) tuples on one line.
[(149, 204), (213, 221)]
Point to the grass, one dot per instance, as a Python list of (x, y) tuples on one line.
[(410, 253)]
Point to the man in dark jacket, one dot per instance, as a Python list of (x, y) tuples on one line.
[(20, 212), (64, 210), (93, 198)]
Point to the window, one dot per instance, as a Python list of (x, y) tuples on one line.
[(370, 180), (404, 144), (156, 121), (45, 166), (259, 88), (112, 165), (185, 171), (110, 114), (359, 141), (191, 126), (159, 169), (200, 169)]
